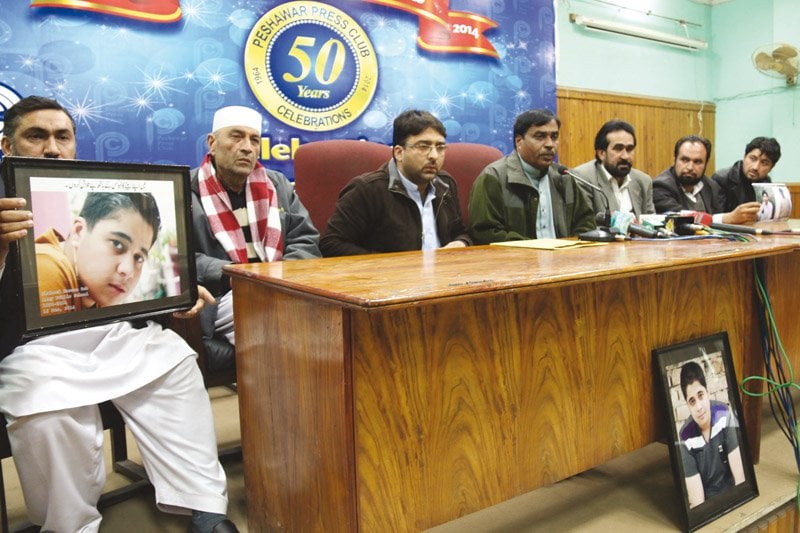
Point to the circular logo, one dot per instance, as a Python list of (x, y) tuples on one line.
[(8, 97), (311, 65)]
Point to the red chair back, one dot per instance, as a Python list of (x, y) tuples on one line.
[(323, 168), (465, 161)]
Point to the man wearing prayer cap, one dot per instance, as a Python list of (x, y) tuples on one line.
[(241, 213)]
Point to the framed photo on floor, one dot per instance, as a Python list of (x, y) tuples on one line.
[(110, 241), (708, 444)]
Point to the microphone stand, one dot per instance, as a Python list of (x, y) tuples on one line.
[(605, 218), (603, 233)]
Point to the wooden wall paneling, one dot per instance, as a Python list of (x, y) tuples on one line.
[(794, 190), (658, 123)]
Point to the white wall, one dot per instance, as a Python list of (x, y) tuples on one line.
[(599, 61)]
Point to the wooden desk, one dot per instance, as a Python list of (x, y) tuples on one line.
[(401, 391)]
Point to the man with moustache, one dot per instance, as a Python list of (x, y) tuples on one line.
[(684, 185), (241, 213), (760, 157), (626, 189), (407, 204), (50, 386), (522, 195)]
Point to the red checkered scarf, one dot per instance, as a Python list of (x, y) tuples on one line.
[(262, 213)]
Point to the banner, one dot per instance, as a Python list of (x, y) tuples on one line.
[(142, 78)]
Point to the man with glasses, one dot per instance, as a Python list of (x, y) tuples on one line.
[(407, 204), (523, 195)]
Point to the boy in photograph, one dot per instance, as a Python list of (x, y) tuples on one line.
[(709, 447), (100, 262)]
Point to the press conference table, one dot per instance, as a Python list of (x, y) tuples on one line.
[(400, 391)]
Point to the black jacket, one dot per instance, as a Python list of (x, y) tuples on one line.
[(374, 214), (668, 194), (736, 188)]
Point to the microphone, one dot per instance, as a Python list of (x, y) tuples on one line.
[(700, 217), (683, 224), (604, 217), (645, 232), (735, 228), (608, 217), (603, 233)]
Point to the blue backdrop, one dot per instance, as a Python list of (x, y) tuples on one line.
[(145, 91)]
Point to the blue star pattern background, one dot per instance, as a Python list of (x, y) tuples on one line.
[(147, 92)]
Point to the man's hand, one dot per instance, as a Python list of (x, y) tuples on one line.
[(455, 244), (14, 224), (203, 297), (743, 214)]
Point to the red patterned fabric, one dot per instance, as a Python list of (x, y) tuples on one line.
[(263, 214)]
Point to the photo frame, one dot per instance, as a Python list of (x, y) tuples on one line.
[(775, 200), (111, 241), (708, 445)]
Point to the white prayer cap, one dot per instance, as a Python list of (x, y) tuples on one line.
[(236, 115)]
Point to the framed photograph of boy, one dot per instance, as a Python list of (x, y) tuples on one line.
[(708, 445), (110, 241)]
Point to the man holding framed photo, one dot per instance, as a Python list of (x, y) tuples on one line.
[(50, 386)]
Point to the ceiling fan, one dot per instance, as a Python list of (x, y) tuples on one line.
[(778, 60)]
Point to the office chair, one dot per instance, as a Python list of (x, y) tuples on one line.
[(323, 168), (465, 161)]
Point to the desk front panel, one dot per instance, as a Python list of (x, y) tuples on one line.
[(462, 405), (404, 416)]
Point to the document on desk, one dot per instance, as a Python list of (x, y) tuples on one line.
[(549, 244)]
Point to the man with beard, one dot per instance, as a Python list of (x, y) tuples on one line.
[(685, 186), (522, 195), (626, 189), (409, 203), (760, 156)]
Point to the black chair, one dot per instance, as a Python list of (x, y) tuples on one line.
[(112, 421), (216, 357)]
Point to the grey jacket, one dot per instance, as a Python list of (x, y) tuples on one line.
[(640, 189), (300, 237)]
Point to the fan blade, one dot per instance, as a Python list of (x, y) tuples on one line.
[(762, 61), (784, 52)]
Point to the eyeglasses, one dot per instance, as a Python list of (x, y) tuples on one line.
[(425, 147)]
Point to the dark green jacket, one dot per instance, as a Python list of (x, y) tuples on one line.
[(503, 204)]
